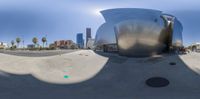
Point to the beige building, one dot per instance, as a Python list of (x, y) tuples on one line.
[(195, 47), (65, 44), (3, 45)]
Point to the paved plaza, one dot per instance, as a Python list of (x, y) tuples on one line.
[(85, 74), (38, 53)]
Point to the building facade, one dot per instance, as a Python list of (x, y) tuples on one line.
[(30, 46), (80, 40), (52, 46), (3, 45), (90, 44), (139, 32), (88, 35), (195, 47), (64, 44)]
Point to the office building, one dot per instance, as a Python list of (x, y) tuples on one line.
[(80, 40), (88, 35)]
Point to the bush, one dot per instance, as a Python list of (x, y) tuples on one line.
[(13, 47)]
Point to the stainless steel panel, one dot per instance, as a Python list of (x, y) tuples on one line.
[(139, 32), (121, 14), (177, 34), (139, 38), (105, 34)]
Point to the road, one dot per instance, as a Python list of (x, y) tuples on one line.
[(41, 53), (88, 75)]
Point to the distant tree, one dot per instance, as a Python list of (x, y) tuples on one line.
[(44, 39), (18, 40), (72, 46), (35, 40), (12, 43)]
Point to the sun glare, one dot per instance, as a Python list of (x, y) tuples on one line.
[(97, 12)]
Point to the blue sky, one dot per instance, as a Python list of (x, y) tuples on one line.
[(63, 19)]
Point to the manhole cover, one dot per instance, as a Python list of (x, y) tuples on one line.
[(157, 82), (172, 63)]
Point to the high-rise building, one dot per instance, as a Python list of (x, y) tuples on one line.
[(79, 40), (88, 35)]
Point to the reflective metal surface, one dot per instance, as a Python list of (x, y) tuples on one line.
[(105, 34), (177, 34), (121, 14), (139, 32), (139, 38)]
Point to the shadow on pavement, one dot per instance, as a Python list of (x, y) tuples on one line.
[(121, 78)]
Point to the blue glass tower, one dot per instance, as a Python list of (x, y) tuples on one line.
[(80, 40)]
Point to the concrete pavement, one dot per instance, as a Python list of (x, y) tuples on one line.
[(98, 76), (40, 53), (76, 65)]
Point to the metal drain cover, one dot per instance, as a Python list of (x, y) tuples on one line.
[(172, 63), (157, 82)]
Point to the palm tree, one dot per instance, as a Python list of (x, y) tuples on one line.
[(44, 39), (35, 40), (12, 43), (18, 40)]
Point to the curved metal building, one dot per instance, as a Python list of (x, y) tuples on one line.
[(138, 32)]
